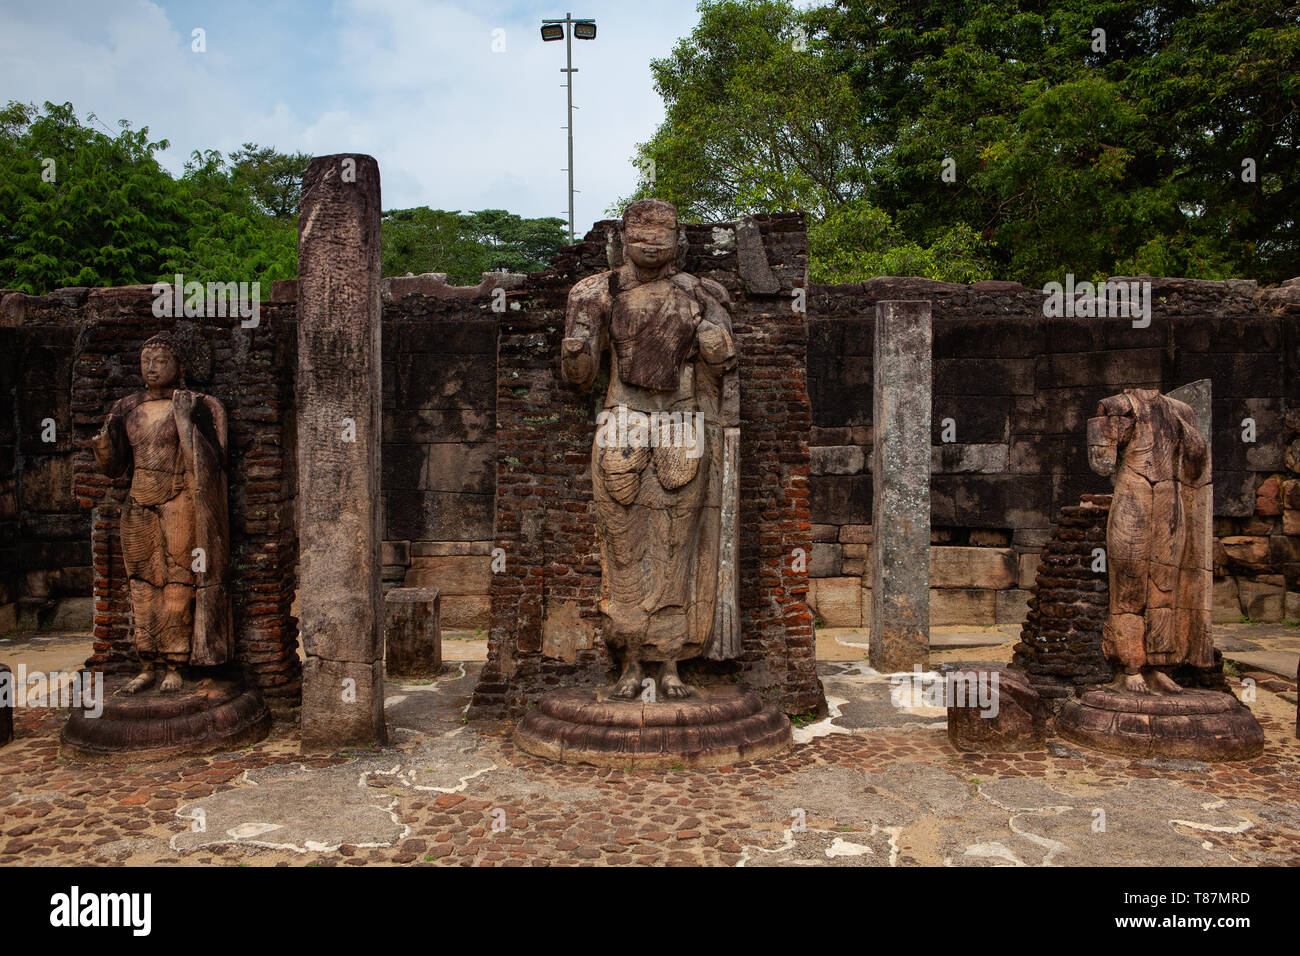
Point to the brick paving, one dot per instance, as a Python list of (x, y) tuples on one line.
[(450, 793)]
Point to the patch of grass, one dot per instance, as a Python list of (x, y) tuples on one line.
[(1231, 669), (804, 719), (428, 859), (678, 766), (1246, 619), (1290, 622)]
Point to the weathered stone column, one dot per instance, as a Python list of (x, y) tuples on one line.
[(900, 515), (341, 610)]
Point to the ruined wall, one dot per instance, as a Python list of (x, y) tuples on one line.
[(439, 454), (1019, 388), (45, 567), (545, 622)]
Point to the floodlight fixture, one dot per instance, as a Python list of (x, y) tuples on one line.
[(554, 30)]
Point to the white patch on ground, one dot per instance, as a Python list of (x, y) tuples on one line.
[(842, 847), (246, 830), (990, 851)]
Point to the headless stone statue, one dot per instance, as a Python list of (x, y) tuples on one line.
[(174, 524), (664, 459), (1156, 537)]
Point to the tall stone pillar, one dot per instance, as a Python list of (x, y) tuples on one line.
[(900, 538), (341, 615)]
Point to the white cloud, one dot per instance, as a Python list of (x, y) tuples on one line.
[(416, 84)]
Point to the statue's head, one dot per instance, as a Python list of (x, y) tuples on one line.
[(162, 364), (650, 233)]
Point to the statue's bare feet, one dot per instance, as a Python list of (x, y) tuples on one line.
[(171, 681), (670, 685), (139, 682), (1162, 683), (1134, 684), (629, 685)]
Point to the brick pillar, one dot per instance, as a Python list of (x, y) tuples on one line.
[(900, 540), (339, 399)]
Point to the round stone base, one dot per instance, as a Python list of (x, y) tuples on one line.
[(1195, 725), (208, 715), (714, 727)]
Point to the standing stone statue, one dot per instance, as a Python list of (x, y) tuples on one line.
[(175, 524), (664, 460), (1156, 538)]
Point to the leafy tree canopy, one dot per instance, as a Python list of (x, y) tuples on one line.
[(104, 212), (1088, 136), (465, 245)]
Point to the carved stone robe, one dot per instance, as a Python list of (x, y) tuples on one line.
[(177, 503), (666, 517), (1159, 566)]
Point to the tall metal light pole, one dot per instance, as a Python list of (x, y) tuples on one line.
[(566, 30)]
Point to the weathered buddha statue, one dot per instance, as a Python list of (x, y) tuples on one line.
[(1157, 537), (664, 460), (175, 523)]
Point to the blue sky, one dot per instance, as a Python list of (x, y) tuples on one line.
[(415, 83)]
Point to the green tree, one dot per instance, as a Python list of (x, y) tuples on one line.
[(1090, 136), (465, 245), (102, 212), (106, 213)]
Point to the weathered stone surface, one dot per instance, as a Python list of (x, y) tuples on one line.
[(713, 727), (855, 534), (837, 459), (451, 574), (395, 552), (466, 612), (1027, 569), (1268, 497), (339, 420), (1192, 725), (963, 567), (836, 601), (1016, 723), (855, 561), (955, 458), (342, 703), (219, 712), (1248, 551), (824, 561), (1291, 606), (1011, 606), (412, 633), (1261, 601), (900, 615), (953, 606), (1227, 602)]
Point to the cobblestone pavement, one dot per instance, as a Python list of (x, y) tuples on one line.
[(869, 785)]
